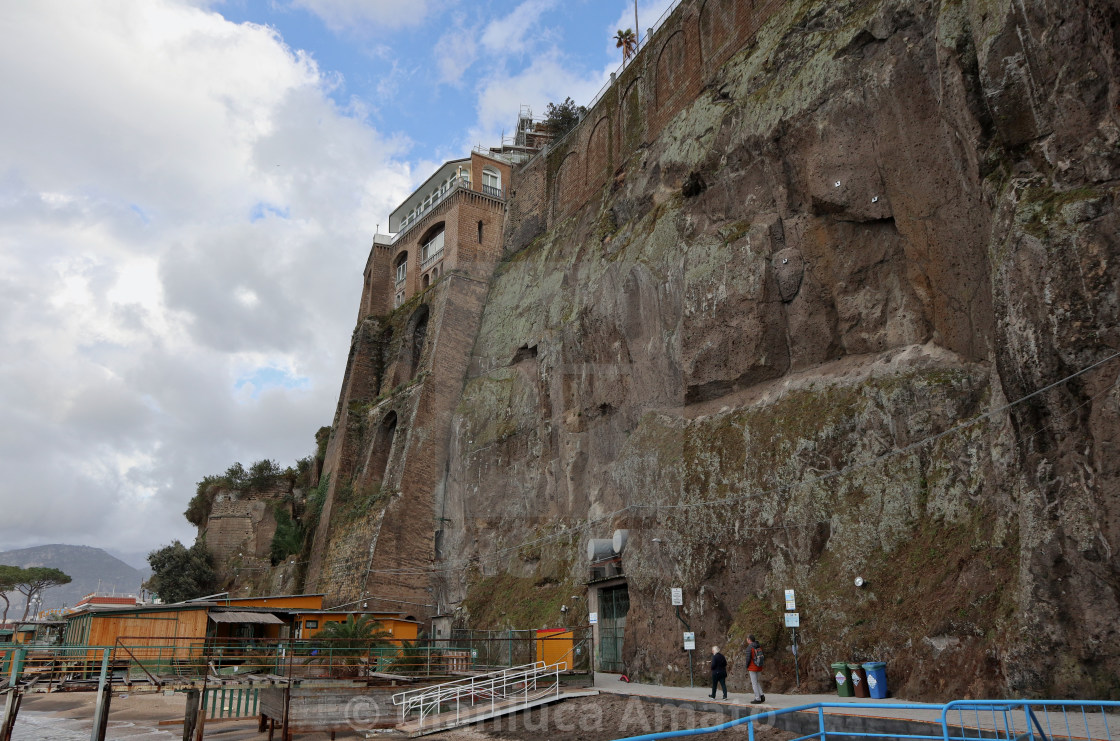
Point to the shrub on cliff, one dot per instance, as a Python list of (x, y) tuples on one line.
[(288, 538), (180, 573), (560, 118)]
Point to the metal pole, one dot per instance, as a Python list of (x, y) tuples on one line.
[(16, 666), (686, 625), (796, 668), (637, 35), (101, 710)]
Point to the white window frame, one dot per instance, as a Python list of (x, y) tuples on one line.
[(430, 247)]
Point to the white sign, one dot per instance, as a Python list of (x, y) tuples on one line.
[(593, 618), (689, 641), (793, 619), (678, 596), (791, 604)]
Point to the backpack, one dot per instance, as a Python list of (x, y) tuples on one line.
[(757, 656)]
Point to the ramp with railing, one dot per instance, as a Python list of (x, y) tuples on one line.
[(480, 698)]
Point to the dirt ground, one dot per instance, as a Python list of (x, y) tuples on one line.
[(599, 718)]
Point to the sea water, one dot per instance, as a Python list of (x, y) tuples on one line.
[(32, 726)]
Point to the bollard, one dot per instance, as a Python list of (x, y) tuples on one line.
[(190, 718)]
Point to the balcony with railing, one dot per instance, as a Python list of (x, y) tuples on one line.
[(431, 259), (442, 195)]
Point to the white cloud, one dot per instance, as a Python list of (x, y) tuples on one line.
[(516, 32), (182, 203), (455, 52), (367, 15), (547, 79)]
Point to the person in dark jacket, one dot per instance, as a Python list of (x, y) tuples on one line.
[(719, 672)]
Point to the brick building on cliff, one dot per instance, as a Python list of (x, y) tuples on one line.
[(423, 292)]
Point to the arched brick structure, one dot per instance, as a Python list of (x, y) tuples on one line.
[(598, 159), (672, 62), (566, 186), (717, 27), (416, 338)]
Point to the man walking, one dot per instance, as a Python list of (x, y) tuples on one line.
[(719, 672), (754, 666)]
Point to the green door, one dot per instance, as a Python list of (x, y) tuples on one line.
[(614, 603)]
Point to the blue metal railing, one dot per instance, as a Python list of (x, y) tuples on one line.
[(963, 720), (1030, 719)]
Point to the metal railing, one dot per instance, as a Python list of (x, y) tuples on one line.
[(963, 720), (444, 193), (643, 42), (431, 259), (231, 702), (1030, 719), (512, 687)]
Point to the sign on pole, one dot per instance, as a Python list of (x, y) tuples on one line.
[(791, 604), (593, 618), (793, 620), (689, 641), (678, 596)]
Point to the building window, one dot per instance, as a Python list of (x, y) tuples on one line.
[(491, 181), (402, 267), (480, 232), (311, 624), (432, 248)]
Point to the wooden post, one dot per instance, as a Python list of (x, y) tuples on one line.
[(262, 724), (11, 709), (190, 719), (201, 725)]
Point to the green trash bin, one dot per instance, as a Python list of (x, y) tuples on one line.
[(843, 676), (859, 680)]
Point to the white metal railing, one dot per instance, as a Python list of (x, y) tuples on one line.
[(445, 191), (643, 42), (517, 685), (431, 259)]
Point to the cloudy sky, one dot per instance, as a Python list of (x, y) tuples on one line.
[(188, 192)]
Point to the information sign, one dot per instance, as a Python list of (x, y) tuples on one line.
[(678, 596), (593, 618), (791, 604), (793, 620), (689, 641)]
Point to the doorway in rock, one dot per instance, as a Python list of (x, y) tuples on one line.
[(614, 603)]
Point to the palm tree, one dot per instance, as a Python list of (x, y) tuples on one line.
[(347, 643), (626, 41)]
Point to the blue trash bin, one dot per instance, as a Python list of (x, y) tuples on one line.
[(876, 679)]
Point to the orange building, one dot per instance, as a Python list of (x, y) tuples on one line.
[(308, 624)]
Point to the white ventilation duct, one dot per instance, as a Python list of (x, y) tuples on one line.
[(618, 543), (599, 549)]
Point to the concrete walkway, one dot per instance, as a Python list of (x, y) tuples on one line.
[(1094, 725), (612, 683)]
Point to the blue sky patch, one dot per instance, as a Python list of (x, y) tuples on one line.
[(268, 377)]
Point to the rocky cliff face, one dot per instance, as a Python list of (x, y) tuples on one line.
[(780, 347)]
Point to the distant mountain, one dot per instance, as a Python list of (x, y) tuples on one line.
[(92, 569)]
